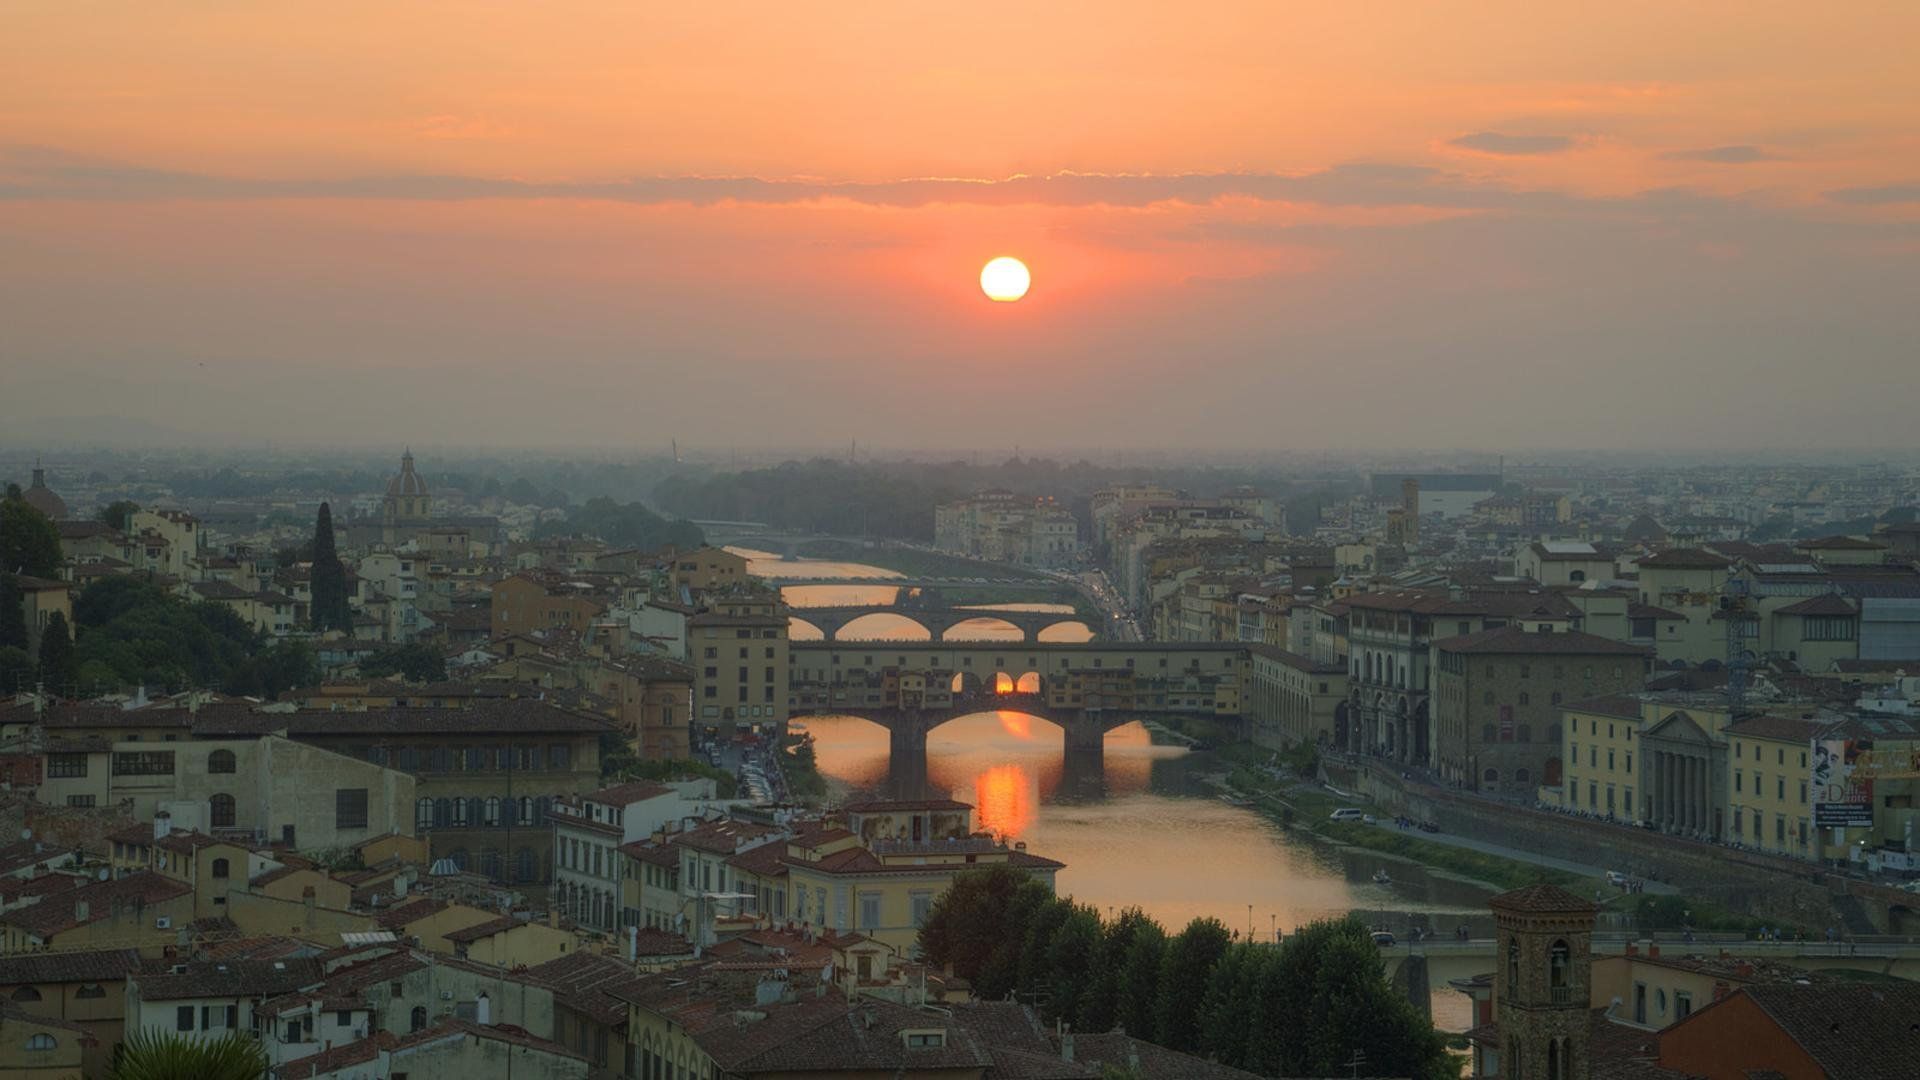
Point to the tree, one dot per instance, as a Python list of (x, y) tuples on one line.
[(1099, 1011), (13, 613), (152, 1054), (29, 542), (1138, 986), (58, 668), (1076, 958), (118, 514), (970, 921), (1325, 996), (328, 579), (16, 669), (1184, 971), (414, 662)]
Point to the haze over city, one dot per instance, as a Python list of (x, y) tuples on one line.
[(1249, 226)]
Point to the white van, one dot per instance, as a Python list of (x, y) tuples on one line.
[(1346, 813)]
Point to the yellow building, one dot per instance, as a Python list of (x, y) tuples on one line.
[(1292, 700), (138, 911), (36, 1047), (507, 942), (80, 988), (1689, 582), (1600, 739), (708, 570), (738, 650), (1767, 797)]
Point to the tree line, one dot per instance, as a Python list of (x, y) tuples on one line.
[(1300, 1008)]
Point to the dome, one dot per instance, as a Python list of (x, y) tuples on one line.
[(408, 482), (42, 498)]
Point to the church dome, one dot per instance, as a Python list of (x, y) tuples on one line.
[(408, 483), (42, 498)]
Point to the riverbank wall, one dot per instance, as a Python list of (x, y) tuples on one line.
[(1762, 886)]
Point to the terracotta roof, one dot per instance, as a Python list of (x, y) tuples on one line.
[(649, 852), (478, 931), (1862, 1031), (1120, 1051), (103, 965), (412, 911), (1787, 728), (62, 913), (1649, 611), (1540, 898), (1684, 559), (722, 837), (588, 983), (1622, 705), (1826, 604), (1512, 640), (231, 978)]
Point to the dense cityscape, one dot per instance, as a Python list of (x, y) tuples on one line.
[(457, 764)]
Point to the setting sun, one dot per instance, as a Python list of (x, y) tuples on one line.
[(1005, 279)]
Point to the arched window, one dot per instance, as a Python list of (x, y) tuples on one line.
[(459, 812), (540, 805), (419, 1018), (90, 990), (442, 813), (1556, 1062), (1520, 776), (490, 863), (221, 868), (524, 865), (526, 809), (221, 761), (493, 810), (221, 807), (41, 1041), (1559, 966), (26, 993), (1492, 776), (423, 814), (1513, 965), (1525, 698)]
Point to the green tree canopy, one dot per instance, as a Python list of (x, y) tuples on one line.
[(29, 542), (13, 613), (1184, 972), (626, 525), (118, 514), (58, 667), (144, 635), (413, 661), (327, 580)]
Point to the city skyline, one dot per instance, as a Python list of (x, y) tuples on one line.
[(1269, 230)]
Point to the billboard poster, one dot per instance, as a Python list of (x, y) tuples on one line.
[(1840, 799)]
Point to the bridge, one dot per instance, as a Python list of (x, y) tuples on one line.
[(999, 583), (1447, 958), (935, 620)]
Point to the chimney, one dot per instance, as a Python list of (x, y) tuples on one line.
[(162, 824), (1633, 948), (1653, 950)]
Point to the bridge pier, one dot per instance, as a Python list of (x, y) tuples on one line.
[(907, 756)]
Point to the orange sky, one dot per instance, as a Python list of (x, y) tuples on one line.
[(1484, 225)]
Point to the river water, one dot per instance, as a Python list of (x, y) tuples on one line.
[(1145, 830)]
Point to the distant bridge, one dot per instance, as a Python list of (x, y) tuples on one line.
[(997, 584), (937, 621)]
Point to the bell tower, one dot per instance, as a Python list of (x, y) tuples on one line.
[(1542, 982)]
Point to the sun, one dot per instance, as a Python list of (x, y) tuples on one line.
[(1005, 279)]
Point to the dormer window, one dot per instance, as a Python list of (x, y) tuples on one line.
[(924, 1039)]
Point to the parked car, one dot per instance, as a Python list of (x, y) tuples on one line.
[(1367, 819), (1384, 938), (1346, 813), (1617, 879)]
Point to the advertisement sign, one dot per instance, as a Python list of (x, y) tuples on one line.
[(1840, 798)]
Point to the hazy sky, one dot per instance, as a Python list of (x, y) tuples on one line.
[(1495, 225)]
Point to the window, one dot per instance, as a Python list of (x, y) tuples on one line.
[(869, 911), (143, 763), (926, 1038), (41, 1041), (26, 993), (183, 1018), (921, 903), (422, 814), (66, 766), (419, 1018), (1513, 965), (90, 990), (350, 808), (1682, 1005), (221, 761), (88, 800), (221, 811), (222, 868)]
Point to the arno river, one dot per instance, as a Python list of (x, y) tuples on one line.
[(1151, 834)]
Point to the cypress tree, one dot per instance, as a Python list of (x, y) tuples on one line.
[(329, 579), (58, 668), (13, 613)]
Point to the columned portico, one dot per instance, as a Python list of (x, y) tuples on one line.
[(1682, 777)]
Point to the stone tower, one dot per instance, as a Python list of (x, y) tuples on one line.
[(1542, 982)]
